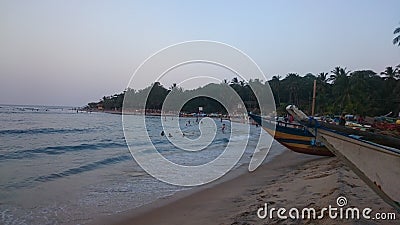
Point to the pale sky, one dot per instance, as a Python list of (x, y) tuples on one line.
[(73, 52)]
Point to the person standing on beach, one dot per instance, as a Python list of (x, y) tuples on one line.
[(342, 120)]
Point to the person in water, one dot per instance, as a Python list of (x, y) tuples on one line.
[(162, 133), (223, 128), (169, 135)]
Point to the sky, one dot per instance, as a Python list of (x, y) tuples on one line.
[(74, 52)]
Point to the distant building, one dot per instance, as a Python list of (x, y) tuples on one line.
[(100, 106)]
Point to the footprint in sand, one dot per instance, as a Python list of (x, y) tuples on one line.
[(320, 175), (238, 200), (348, 184)]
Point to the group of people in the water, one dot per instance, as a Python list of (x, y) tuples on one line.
[(169, 134), (188, 124)]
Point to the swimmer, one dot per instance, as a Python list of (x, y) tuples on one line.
[(169, 135), (162, 133)]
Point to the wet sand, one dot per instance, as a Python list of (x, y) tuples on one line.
[(289, 180)]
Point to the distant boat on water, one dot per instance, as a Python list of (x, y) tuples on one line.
[(293, 136), (375, 158)]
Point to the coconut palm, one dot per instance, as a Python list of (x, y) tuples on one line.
[(235, 80), (341, 88), (173, 86), (323, 89), (338, 73), (396, 40), (322, 77), (335, 73), (292, 80), (362, 88), (397, 71), (391, 84), (275, 86), (389, 73)]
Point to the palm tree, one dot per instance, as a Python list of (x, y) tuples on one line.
[(338, 73), (322, 91), (396, 40), (389, 73), (292, 80), (341, 88), (173, 86), (335, 73), (322, 77), (235, 80), (397, 71), (275, 86), (362, 89)]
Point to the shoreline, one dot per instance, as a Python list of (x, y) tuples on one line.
[(165, 201), (289, 180)]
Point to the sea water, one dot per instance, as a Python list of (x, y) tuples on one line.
[(58, 166)]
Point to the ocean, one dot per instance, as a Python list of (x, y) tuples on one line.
[(58, 166)]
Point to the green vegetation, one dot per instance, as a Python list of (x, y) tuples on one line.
[(361, 92)]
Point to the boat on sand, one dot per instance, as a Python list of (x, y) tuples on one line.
[(293, 136), (374, 158)]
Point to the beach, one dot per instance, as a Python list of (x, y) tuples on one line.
[(290, 180)]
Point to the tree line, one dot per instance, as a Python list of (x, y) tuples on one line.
[(362, 92)]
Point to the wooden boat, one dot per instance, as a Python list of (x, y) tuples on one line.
[(293, 136), (377, 164)]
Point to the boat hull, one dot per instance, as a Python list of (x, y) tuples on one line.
[(377, 165), (293, 137)]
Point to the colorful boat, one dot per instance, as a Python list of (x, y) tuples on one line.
[(373, 157), (293, 136)]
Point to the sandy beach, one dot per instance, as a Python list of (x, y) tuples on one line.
[(289, 180)]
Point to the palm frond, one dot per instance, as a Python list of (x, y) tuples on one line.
[(396, 40), (397, 30)]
